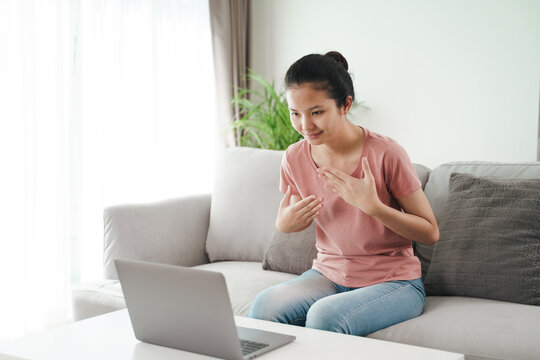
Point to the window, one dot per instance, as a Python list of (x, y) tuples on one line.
[(101, 102)]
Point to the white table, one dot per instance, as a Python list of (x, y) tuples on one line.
[(110, 336)]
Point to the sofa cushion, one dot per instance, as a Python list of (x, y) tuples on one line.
[(480, 328), (489, 245), (245, 200), (172, 231), (422, 172), (96, 298), (436, 188), (244, 281), (244, 205), (291, 253)]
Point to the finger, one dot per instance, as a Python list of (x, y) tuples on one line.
[(313, 210), (336, 190), (305, 202), (310, 206), (366, 168), (330, 178), (310, 219), (334, 174), (287, 198), (338, 173), (332, 181)]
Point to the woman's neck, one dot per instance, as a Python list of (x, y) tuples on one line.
[(348, 138)]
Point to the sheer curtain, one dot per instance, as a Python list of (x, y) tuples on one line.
[(101, 102)]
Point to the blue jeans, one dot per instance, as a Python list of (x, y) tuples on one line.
[(313, 301)]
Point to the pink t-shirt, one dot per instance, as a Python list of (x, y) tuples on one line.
[(355, 249)]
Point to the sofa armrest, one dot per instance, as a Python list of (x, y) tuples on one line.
[(170, 232)]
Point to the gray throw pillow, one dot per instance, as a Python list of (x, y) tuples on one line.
[(489, 244), (291, 253)]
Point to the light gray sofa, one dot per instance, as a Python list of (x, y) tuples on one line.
[(230, 230)]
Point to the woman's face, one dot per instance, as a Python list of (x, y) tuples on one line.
[(313, 114)]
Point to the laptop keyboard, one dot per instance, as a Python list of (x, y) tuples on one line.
[(250, 346)]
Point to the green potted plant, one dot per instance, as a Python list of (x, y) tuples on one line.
[(264, 121)]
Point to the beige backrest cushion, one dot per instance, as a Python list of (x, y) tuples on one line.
[(245, 200)]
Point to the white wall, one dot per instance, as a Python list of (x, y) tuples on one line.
[(449, 80)]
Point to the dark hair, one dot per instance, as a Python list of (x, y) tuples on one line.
[(328, 72)]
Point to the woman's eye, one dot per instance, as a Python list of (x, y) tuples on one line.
[(294, 114), (317, 112)]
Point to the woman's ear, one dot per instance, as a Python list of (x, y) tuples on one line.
[(347, 106)]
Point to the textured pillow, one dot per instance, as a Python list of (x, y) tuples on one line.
[(291, 253), (489, 244), (436, 189)]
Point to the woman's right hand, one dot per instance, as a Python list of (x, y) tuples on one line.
[(298, 214)]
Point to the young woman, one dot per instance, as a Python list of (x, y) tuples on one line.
[(363, 193)]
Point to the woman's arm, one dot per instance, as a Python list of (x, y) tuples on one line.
[(417, 222)]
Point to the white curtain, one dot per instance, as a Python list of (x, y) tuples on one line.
[(101, 102)]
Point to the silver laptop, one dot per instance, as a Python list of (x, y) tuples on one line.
[(190, 310)]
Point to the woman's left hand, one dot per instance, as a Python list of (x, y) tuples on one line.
[(361, 193)]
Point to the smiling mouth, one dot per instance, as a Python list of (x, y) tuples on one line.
[(313, 136)]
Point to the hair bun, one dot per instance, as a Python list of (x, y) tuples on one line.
[(339, 58)]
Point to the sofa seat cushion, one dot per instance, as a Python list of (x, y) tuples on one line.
[(245, 280), (480, 328), (97, 298)]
